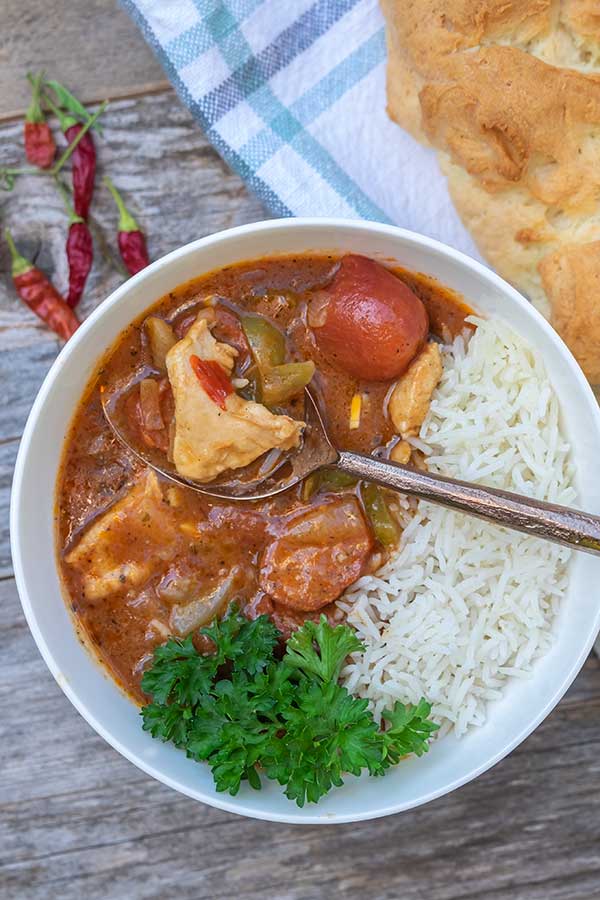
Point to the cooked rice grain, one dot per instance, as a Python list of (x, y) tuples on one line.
[(464, 606)]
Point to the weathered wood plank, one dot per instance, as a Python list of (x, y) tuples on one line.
[(93, 47), (8, 455), (76, 819), (178, 187)]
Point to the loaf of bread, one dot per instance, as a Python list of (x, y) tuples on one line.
[(508, 92)]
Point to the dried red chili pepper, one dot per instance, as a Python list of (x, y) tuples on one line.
[(83, 166), (40, 295), (83, 171), (132, 243), (40, 148), (80, 251)]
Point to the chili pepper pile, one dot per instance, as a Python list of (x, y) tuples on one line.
[(76, 124)]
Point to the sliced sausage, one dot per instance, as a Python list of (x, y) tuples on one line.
[(320, 551), (288, 620)]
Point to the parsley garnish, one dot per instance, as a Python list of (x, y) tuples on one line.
[(243, 711)]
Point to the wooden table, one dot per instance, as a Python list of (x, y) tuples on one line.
[(77, 820)]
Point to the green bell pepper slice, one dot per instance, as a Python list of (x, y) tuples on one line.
[(281, 383), (327, 480), (385, 527), (267, 342)]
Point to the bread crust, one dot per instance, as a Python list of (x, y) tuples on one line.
[(571, 278), (508, 93)]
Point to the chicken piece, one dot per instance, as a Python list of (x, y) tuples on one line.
[(320, 552), (419, 460), (400, 452), (208, 439), (121, 547), (410, 399)]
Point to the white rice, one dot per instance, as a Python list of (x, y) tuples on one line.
[(464, 606)]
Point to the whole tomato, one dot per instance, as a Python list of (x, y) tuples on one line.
[(370, 324)]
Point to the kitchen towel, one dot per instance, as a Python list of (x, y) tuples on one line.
[(292, 95)]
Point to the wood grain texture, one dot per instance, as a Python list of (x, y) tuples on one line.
[(8, 455), (92, 46), (78, 820)]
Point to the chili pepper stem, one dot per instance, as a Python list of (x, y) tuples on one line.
[(20, 265), (64, 121), (66, 100), (7, 176), (84, 130), (34, 112), (73, 217), (127, 222), (24, 170)]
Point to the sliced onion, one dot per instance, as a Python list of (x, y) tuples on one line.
[(316, 311), (155, 626), (171, 450), (269, 462), (161, 338), (208, 314), (152, 419), (188, 617)]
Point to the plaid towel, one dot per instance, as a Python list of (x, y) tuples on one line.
[(292, 95)]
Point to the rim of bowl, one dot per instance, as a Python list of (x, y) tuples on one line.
[(103, 309)]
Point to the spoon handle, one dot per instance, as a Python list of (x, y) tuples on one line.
[(560, 524)]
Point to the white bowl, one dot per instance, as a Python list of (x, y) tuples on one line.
[(450, 763)]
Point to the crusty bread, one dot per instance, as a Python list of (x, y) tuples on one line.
[(508, 92)]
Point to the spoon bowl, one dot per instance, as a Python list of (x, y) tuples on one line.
[(274, 476)]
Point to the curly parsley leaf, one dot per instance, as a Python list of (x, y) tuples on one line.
[(242, 711), (167, 723), (320, 649), (328, 733), (231, 736), (247, 644), (179, 673), (409, 730)]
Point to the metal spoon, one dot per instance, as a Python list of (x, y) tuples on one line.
[(559, 524)]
